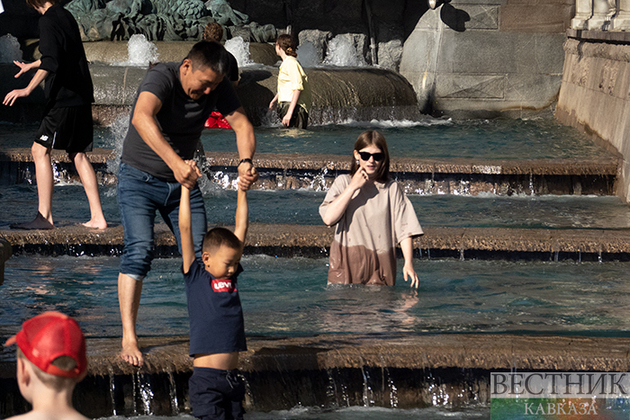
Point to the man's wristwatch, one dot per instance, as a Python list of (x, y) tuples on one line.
[(248, 160)]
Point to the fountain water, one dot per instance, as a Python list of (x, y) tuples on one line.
[(307, 55), (141, 52), (240, 50), (342, 52)]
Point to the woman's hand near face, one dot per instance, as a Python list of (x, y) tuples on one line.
[(359, 179)]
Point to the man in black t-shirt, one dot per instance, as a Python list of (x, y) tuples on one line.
[(167, 118)]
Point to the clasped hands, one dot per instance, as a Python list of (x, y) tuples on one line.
[(188, 173)]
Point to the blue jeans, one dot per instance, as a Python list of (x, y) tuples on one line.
[(140, 196)]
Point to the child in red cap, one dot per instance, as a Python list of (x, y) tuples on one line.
[(51, 360)]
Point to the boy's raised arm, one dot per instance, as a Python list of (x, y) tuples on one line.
[(242, 216), (185, 230)]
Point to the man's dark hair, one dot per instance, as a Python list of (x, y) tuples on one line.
[(219, 237), (209, 54), (39, 3)]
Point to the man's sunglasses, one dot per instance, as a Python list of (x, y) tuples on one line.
[(366, 156)]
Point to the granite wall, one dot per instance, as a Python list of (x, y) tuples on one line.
[(488, 57), (595, 93)]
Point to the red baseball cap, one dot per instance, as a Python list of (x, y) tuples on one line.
[(48, 336)]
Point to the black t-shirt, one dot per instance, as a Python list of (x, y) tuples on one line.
[(180, 118), (68, 82), (233, 70)]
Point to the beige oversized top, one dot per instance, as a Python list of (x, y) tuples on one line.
[(377, 218)]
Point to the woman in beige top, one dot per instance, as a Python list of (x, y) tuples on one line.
[(373, 215)]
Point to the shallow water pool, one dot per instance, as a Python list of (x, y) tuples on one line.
[(536, 138), (289, 297), (302, 207)]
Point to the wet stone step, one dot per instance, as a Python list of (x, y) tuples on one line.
[(313, 241), (576, 176), (388, 370)]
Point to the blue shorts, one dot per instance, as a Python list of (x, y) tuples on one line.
[(140, 197), (216, 394)]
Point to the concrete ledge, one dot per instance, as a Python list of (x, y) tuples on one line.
[(603, 36), (465, 351), (576, 166), (389, 370), (313, 241)]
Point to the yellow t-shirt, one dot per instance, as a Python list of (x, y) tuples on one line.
[(292, 77)]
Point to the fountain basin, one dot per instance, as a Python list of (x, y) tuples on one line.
[(313, 241), (363, 93), (388, 370), (579, 176)]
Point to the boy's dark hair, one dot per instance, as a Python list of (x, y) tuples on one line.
[(213, 32), (209, 54), (288, 44), (369, 138), (218, 237)]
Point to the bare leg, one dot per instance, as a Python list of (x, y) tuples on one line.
[(88, 179), (44, 174), (129, 291)]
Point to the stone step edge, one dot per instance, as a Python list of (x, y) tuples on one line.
[(491, 352), (569, 166), (288, 240)]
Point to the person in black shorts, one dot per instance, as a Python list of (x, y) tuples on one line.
[(67, 123)]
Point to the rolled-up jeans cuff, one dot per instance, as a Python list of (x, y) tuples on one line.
[(136, 277)]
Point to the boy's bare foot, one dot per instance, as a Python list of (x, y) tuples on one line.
[(131, 354), (95, 224)]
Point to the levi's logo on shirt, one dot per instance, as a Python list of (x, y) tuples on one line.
[(222, 285)]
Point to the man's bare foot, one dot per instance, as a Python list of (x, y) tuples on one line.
[(95, 224), (131, 354)]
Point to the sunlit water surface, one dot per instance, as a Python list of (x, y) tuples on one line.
[(537, 138), (290, 297), (302, 207)]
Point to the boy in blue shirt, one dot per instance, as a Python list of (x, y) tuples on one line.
[(217, 331)]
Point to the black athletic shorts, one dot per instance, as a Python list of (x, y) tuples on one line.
[(68, 129)]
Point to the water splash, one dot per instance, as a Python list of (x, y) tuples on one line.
[(368, 394), (307, 55), (208, 183), (172, 390), (112, 390), (240, 50), (342, 52), (141, 52), (145, 392), (9, 49), (119, 130)]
